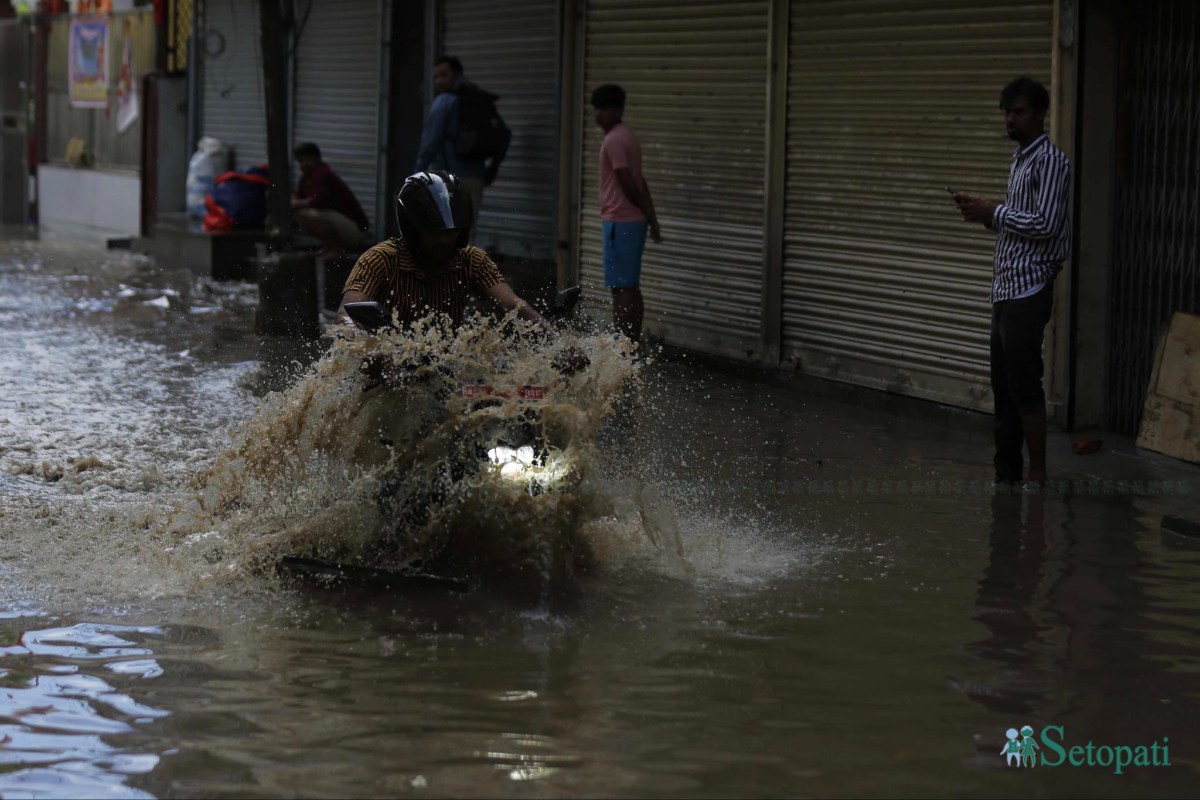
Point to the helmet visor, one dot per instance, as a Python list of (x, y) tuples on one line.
[(439, 192), (429, 205)]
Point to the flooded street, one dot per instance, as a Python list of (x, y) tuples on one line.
[(799, 589)]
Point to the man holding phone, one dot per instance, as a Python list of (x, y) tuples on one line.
[(1033, 238)]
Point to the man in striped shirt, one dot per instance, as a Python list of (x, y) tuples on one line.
[(1033, 238), (430, 269)]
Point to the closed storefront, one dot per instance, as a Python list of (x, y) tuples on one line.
[(883, 284), (1156, 224), (512, 49), (14, 78), (233, 108), (695, 78), (338, 54)]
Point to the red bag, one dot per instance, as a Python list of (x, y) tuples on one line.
[(217, 219)]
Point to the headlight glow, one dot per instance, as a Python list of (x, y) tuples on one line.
[(520, 465), (502, 455)]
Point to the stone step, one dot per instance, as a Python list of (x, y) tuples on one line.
[(178, 241)]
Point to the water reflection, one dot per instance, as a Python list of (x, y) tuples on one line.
[(1007, 604), (59, 711), (1081, 602)]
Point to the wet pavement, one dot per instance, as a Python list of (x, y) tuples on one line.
[(808, 590)]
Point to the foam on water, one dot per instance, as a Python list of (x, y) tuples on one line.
[(345, 468), (133, 469)]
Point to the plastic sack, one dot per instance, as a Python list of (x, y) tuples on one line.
[(216, 219), (210, 159), (238, 200)]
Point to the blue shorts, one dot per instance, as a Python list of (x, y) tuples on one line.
[(623, 246)]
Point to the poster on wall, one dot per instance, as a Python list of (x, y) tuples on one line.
[(88, 68), (127, 97)]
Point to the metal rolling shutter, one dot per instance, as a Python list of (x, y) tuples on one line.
[(1156, 225), (695, 77), (233, 107), (337, 68), (512, 49), (884, 285)]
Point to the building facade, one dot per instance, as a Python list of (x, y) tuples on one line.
[(799, 153)]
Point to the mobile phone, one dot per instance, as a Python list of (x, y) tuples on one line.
[(369, 314), (952, 192)]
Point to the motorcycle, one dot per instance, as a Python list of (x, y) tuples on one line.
[(450, 451)]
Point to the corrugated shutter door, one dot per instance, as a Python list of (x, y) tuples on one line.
[(884, 285), (337, 91), (511, 49), (233, 106), (695, 77), (1156, 222)]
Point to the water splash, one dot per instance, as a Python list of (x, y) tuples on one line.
[(129, 471), (376, 456)]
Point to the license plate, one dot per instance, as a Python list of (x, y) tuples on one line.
[(473, 391)]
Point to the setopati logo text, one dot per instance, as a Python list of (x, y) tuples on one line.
[(1023, 750)]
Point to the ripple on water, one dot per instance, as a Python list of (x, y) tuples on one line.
[(62, 718)]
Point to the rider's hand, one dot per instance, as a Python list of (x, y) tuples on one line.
[(655, 233)]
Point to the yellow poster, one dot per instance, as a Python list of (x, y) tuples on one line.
[(88, 69)]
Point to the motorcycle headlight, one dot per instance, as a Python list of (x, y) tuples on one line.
[(521, 464), (501, 455)]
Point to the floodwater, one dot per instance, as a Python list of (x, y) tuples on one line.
[(795, 589)]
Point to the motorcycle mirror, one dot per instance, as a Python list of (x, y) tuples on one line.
[(564, 304), (369, 315)]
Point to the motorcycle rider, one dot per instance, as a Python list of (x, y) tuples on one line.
[(430, 268)]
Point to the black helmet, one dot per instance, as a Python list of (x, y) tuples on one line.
[(427, 204)]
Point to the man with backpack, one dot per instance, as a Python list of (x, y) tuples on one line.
[(464, 133)]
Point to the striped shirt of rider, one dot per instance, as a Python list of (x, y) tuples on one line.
[(1033, 224), (388, 273)]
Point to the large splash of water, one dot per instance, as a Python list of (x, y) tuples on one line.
[(378, 457), (135, 463)]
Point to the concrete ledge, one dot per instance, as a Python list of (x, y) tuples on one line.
[(179, 241), (96, 201)]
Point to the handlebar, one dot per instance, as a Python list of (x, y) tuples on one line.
[(373, 316)]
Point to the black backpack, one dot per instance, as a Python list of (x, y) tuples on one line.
[(482, 134)]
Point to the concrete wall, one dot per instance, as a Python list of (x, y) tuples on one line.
[(172, 146), (89, 200), (1094, 208)]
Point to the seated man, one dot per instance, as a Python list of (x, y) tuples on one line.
[(324, 206), (430, 267)]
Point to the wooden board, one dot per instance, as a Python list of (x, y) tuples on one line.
[(1171, 416)]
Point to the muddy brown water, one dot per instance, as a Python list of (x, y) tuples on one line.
[(806, 595)]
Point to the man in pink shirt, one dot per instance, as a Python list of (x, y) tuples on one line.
[(626, 210)]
